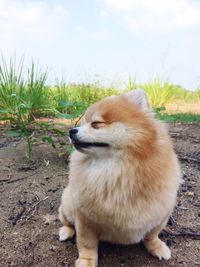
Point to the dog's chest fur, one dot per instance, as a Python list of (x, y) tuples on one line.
[(104, 190)]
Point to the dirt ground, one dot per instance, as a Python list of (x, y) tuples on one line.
[(30, 195)]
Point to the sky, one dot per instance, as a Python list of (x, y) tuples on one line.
[(108, 40)]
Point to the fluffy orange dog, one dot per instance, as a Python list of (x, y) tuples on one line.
[(124, 177)]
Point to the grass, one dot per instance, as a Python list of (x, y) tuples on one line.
[(179, 117), (27, 91), (25, 96), (79, 93), (28, 88), (22, 98)]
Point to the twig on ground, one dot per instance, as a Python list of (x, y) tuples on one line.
[(62, 174), (184, 232), (7, 179), (171, 221), (34, 208), (21, 178), (4, 180), (188, 159), (19, 215)]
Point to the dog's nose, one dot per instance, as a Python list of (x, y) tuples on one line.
[(72, 132)]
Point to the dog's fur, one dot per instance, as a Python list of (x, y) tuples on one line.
[(124, 192)]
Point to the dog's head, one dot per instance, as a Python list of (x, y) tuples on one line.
[(115, 124)]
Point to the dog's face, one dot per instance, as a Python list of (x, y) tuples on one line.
[(114, 124)]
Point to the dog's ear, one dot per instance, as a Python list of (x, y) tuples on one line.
[(139, 98)]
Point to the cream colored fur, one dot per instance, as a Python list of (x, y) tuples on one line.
[(126, 192)]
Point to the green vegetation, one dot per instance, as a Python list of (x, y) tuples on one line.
[(25, 96), (161, 92), (162, 114), (180, 117), (22, 98)]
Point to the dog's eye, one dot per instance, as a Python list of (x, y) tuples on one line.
[(97, 124)]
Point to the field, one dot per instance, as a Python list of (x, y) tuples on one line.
[(34, 149), (30, 196)]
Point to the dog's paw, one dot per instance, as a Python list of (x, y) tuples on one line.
[(158, 249), (162, 251), (86, 263), (65, 233)]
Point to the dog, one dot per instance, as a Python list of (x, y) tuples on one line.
[(123, 181)]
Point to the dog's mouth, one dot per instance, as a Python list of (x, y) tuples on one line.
[(81, 144)]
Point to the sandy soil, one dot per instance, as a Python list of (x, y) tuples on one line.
[(30, 196)]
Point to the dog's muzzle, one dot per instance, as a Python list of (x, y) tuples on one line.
[(83, 144)]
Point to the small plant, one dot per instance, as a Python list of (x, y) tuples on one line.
[(22, 99), (20, 123), (74, 109)]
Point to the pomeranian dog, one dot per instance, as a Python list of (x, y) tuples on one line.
[(124, 177)]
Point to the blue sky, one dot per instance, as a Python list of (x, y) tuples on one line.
[(113, 39)]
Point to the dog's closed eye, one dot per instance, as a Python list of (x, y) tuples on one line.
[(97, 124)]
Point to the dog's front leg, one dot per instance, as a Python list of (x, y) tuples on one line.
[(87, 243), (154, 245)]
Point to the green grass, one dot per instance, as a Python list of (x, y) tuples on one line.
[(22, 98), (27, 90), (179, 117), (161, 93), (24, 90), (81, 93), (25, 96)]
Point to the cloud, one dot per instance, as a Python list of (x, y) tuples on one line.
[(102, 35), (30, 20), (94, 35), (155, 6), (104, 14), (156, 15)]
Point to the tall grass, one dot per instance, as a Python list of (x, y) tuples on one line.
[(37, 94), (25, 95), (84, 94), (27, 89), (22, 98), (23, 90), (11, 86), (161, 93)]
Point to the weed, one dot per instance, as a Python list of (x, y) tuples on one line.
[(22, 99)]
